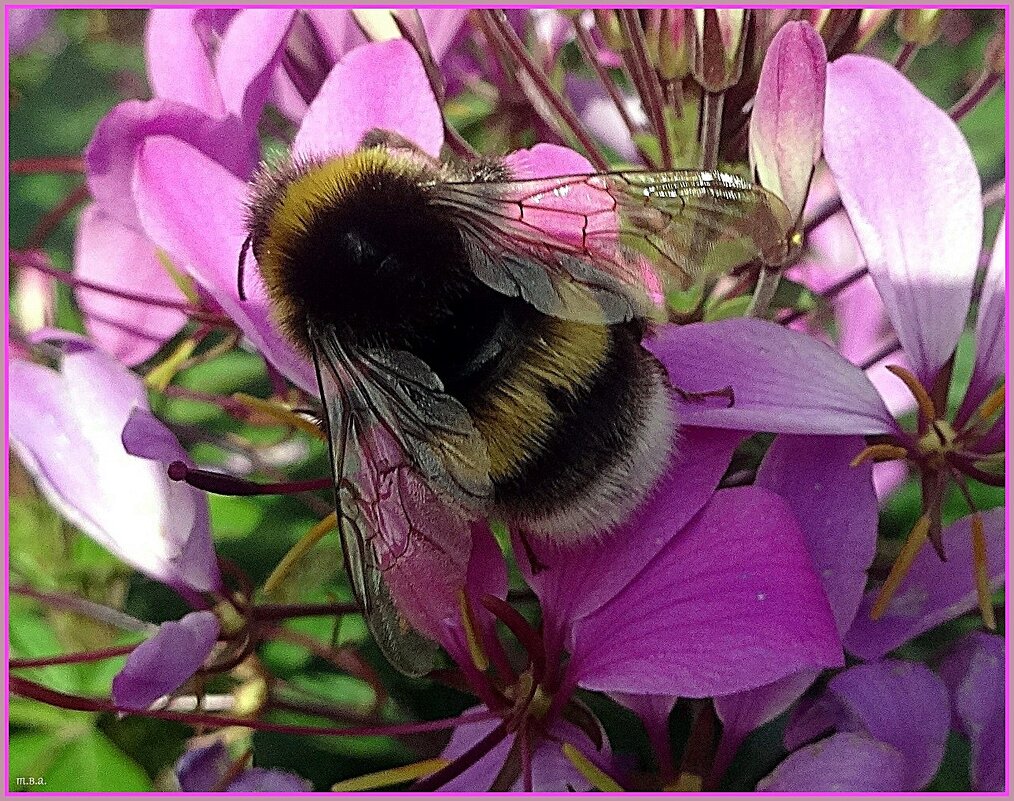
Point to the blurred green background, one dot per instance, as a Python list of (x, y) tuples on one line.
[(86, 62)]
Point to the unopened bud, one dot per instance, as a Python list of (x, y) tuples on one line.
[(719, 45), (675, 44), (608, 24), (919, 26), (871, 21), (995, 55)]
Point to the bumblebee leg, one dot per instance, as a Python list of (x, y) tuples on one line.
[(725, 393), (533, 561)]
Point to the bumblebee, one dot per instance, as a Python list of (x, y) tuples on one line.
[(477, 340)]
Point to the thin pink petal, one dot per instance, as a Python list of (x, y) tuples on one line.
[(108, 253), (245, 73), (193, 209), (991, 324), (917, 213), (379, 85), (176, 50)]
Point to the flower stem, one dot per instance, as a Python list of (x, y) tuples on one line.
[(711, 128), (89, 609), (646, 80), (60, 164), (986, 83), (70, 659), (52, 218)]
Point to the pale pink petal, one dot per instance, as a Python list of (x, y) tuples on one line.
[(244, 72), (918, 213), (109, 157), (381, 85), (788, 114), (177, 54), (193, 209), (108, 253), (990, 327)]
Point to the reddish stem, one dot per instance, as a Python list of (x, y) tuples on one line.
[(32, 166), (69, 659)]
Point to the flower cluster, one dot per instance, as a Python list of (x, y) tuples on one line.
[(753, 584)]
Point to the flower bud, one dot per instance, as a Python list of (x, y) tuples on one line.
[(719, 46), (919, 26), (871, 20), (608, 24), (675, 44)]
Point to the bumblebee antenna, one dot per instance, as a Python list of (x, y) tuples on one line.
[(239, 269)]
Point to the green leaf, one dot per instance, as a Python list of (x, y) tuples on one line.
[(90, 762), (733, 307)]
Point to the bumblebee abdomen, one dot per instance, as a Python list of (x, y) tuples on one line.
[(578, 429)]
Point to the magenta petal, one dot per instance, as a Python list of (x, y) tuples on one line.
[(380, 85), (730, 603), (108, 253), (788, 114), (836, 507), (245, 73), (918, 215), (176, 53), (784, 381), (974, 673), (932, 592), (846, 762), (745, 711), (192, 207), (903, 704), (578, 579), (263, 780), (109, 157), (162, 663), (442, 27)]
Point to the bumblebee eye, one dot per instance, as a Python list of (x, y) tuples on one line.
[(239, 268)]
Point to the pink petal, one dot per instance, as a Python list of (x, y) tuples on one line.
[(107, 252), (442, 27), (109, 157), (846, 762), (192, 207), (784, 381), (337, 30), (730, 603), (163, 663), (932, 592), (245, 73), (577, 579), (918, 214), (177, 56), (788, 115), (380, 85), (836, 507)]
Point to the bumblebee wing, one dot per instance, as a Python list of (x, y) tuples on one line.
[(400, 493), (607, 236)]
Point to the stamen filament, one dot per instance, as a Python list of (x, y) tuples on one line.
[(280, 413), (981, 567), (223, 484), (162, 374), (879, 453), (299, 550), (392, 776), (994, 403), (475, 651), (927, 409), (901, 565), (597, 777)]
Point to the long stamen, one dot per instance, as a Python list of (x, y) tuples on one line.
[(901, 565), (465, 761), (879, 453), (475, 651), (222, 484), (927, 409), (597, 777), (392, 776), (278, 412), (521, 629), (311, 538), (981, 567)]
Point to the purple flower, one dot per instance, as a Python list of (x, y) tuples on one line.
[(26, 27), (888, 723), (699, 594), (100, 457), (164, 662), (974, 672), (207, 770)]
